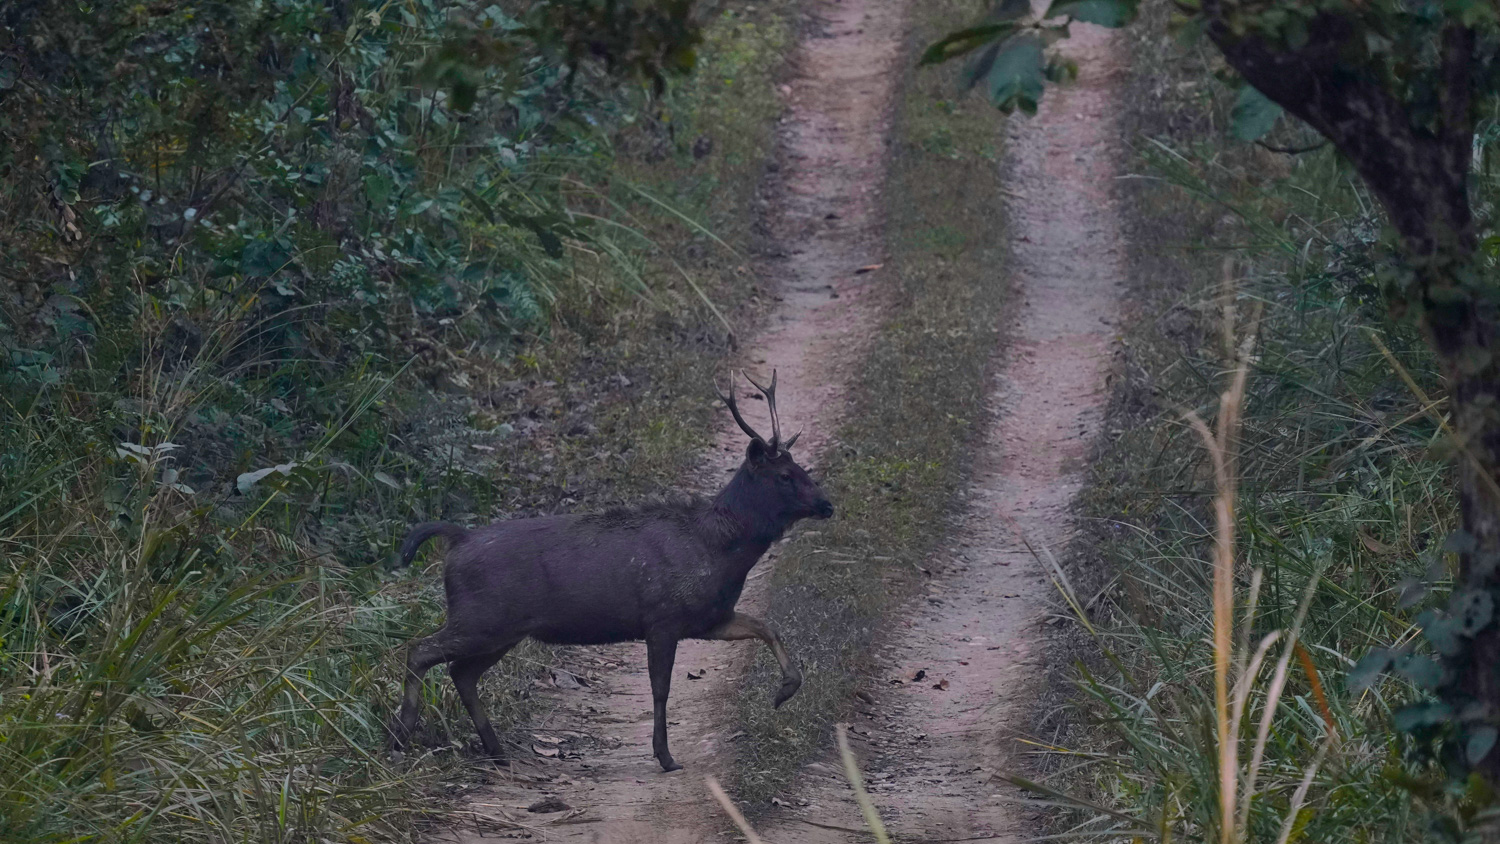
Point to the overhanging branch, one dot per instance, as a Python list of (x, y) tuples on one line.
[(1419, 175)]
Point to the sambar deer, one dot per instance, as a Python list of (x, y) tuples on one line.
[(660, 573)]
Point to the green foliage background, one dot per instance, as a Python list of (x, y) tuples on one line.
[(267, 297)]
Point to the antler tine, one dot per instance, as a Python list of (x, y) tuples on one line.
[(770, 394), (734, 409), (791, 442)]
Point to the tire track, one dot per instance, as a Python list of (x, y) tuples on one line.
[(954, 697)]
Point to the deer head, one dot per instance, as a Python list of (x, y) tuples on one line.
[(774, 481)]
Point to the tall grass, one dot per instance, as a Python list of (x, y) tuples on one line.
[(1236, 570), (1210, 787), (169, 675)]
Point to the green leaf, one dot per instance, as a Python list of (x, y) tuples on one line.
[(1481, 741), (378, 189), (1460, 542), (551, 243), (1009, 10), (262, 258), (1017, 77), (956, 44), (480, 203), (464, 92), (1365, 672), (1108, 13), (1423, 672), (1440, 631), (1254, 114), (978, 67), (1412, 591), (1474, 608), (245, 481), (1409, 718)]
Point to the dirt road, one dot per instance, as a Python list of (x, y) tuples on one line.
[(588, 759), (958, 681)]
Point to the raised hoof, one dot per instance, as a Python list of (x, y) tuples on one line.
[(668, 764), (788, 688)]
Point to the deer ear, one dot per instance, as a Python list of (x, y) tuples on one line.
[(757, 451)]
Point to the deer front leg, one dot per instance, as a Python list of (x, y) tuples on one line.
[(660, 654), (742, 626)]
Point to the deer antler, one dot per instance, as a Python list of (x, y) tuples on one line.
[(775, 442), (770, 394), (728, 399)]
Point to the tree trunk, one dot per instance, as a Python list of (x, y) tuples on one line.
[(1464, 338)]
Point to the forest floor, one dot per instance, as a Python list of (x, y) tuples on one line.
[(953, 677)]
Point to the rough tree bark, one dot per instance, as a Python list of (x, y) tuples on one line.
[(1419, 173)]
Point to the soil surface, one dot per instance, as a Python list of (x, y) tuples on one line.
[(960, 681), (584, 770)]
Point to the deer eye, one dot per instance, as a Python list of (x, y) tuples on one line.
[(786, 479)]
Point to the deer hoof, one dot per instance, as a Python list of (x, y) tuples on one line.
[(668, 764), (789, 687)]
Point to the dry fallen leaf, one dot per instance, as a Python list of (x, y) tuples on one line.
[(696, 676), (941, 685), (550, 752), (868, 269), (1374, 545), (917, 676)]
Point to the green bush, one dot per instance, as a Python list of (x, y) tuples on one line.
[(266, 298), (1344, 502)]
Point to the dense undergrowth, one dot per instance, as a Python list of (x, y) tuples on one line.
[(917, 407), (265, 301), (1344, 496)]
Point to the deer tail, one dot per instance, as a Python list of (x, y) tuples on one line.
[(425, 531)]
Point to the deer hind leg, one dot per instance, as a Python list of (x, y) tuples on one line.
[(420, 658), (465, 674), (742, 626)]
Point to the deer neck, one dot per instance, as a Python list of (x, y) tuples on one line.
[(741, 530)]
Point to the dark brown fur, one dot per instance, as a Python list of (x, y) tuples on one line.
[(660, 573)]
